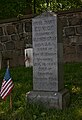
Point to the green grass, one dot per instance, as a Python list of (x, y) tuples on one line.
[(22, 110)]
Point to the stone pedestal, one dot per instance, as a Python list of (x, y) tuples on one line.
[(48, 83), (57, 100)]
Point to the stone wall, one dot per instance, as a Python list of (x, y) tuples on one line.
[(72, 35), (16, 35)]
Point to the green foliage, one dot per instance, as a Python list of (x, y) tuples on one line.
[(22, 110), (9, 8), (56, 5), (12, 8)]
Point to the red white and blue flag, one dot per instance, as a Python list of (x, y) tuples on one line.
[(7, 85)]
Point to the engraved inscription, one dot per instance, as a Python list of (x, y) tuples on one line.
[(45, 53)]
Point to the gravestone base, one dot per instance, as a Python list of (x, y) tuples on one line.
[(57, 100)]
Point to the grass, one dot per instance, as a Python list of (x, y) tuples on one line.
[(22, 110)]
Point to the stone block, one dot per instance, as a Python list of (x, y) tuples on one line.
[(1, 47), (28, 40), (23, 36), (58, 100), (74, 21), (7, 54), (79, 57), (73, 40), (79, 48), (11, 29), (64, 21), (69, 31), (28, 26), (10, 45), (79, 30), (70, 57), (19, 45), (66, 40), (21, 60), (14, 37), (1, 31), (79, 40), (4, 38), (69, 49), (19, 27)]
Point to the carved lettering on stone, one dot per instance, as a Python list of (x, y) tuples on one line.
[(45, 76)]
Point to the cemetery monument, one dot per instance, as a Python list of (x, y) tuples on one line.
[(48, 82)]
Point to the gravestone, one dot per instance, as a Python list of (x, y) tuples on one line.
[(48, 83), (28, 57)]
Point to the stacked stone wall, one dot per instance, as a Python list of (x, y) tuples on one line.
[(16, 35), (72, 35)]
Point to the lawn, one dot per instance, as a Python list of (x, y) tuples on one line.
[(22, 110)]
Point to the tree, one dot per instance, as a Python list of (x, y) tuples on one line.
[(12, 8), (55, 5)]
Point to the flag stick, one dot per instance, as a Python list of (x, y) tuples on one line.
[(10, 93), (10, 101), (8, 63)]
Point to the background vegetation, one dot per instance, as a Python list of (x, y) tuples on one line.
[(22, 110), (13, 8)]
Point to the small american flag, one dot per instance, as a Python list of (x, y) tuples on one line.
[(7, 85)]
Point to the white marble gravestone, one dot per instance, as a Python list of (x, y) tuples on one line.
[(28, 57), (48, 83)]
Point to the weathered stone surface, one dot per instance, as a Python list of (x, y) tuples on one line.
[(4, 39), (66, 40), (28, 40), (45, 41), (1, 47), (14, 37), (23, 36), (16, 58), (79, 30), (48, 62), (48, 99), (21, 60), (74, 21), (19, 45), (11, 29), (69, 31), (28, 26), (1, 31), (73, 40), (70, 57), (79, 49), (69, 49), (79, 40), (19, 28), (79, 57), (7, 54), (10, 45), (64, 21)]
